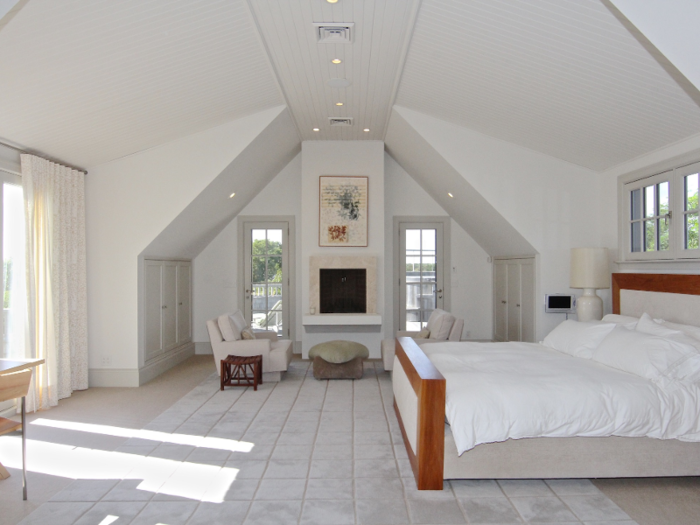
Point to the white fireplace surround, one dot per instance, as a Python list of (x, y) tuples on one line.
[(317, 262)]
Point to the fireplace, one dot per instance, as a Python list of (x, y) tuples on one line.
[(343, 290), (366, 264)]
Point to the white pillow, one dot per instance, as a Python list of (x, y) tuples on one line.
[(578, 339), (627, 321), (228, 328), (440, 324), (643, 354), (687, 329), (647, 325), (239, 321)]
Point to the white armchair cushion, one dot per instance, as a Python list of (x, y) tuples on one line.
[(228, 328), (439, 324)]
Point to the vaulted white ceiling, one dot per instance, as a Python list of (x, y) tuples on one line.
[(88, 81), (562, 77)]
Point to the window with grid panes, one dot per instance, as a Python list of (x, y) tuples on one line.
[(662, 215)]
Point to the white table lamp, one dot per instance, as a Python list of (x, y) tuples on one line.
[(590, 270)]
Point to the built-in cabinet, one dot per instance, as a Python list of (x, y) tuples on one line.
[(514, 299), (168, 307)]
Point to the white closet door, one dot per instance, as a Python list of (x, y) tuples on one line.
[(527, 301), (169, 305), (153, 310), (500, 289), (184, 316), (513, 301)]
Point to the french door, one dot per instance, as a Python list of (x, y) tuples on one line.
[(421, 272), (14, 290), (266, 271)]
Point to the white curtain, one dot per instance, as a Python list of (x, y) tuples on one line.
[(56, 274)]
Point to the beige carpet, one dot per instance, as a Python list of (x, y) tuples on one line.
[(659, 501)]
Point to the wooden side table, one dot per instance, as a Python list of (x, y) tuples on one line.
[(241, 371)]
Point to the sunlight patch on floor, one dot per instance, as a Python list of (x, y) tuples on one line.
[(195, 481), (231, 445)]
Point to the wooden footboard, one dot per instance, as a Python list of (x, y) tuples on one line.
[(419, 402)]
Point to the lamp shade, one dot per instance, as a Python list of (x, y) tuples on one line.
[(589, 268)]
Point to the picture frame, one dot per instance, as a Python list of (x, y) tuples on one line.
[(343, 204)]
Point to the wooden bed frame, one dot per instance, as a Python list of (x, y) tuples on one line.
[(419, 403)]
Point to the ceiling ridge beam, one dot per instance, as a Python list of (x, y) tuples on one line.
[(402, 61)]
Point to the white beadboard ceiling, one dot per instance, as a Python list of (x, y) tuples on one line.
[(562, 77), (88, 81), (371, 63)]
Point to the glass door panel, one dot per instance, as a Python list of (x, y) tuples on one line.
[(13, 268), (265, 278), (421, 281)]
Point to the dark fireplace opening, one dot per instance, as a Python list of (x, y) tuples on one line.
[(343, 291)]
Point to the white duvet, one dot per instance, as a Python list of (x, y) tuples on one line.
[(498, 391)]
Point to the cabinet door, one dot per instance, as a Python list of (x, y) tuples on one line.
[(513, 301), (184, 308), (153, 311), (527, 301), (500, 300), (169, 305)]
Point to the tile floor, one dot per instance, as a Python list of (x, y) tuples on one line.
[(297, 452)]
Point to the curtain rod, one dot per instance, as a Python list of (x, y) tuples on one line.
[(39, 154)]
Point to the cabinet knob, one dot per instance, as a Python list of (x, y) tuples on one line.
[(180, 304), (517, 305), (503, 302), (163, 307)]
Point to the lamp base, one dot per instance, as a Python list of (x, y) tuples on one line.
[(589, 307)]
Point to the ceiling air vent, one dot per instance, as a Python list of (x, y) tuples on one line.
[(332, 33), (340, 121)]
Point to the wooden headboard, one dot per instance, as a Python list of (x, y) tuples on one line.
[(653, 282)]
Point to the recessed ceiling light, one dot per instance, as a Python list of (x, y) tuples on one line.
[(366, 130), (338, 103), (450, 194), (332, 1), (316, 129), (336, 61), (232, 195)]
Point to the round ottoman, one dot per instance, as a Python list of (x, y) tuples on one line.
[(338, 359)]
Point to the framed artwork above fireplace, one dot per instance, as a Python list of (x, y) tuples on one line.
[(342, 214)]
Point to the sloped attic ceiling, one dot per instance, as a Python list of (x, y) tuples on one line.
[(562, 77), (89, 81)]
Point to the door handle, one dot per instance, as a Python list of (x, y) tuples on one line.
[(439, 291)]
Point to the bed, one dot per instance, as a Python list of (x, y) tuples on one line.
[(420, 396)]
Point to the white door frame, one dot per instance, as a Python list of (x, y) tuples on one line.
[(289, 286), (398, 258)]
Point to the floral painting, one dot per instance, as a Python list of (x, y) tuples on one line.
[(343, 210)]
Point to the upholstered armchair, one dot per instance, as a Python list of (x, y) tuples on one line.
[(226, 337), (442, 326)]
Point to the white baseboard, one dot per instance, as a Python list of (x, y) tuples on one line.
[(152, 370), (111, 377), (203, 349)]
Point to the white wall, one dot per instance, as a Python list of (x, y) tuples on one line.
[(128, 203), (471, 272), (215, 282), (553, 204), (342, 158)]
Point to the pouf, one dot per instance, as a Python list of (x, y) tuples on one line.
[(338, 359)]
